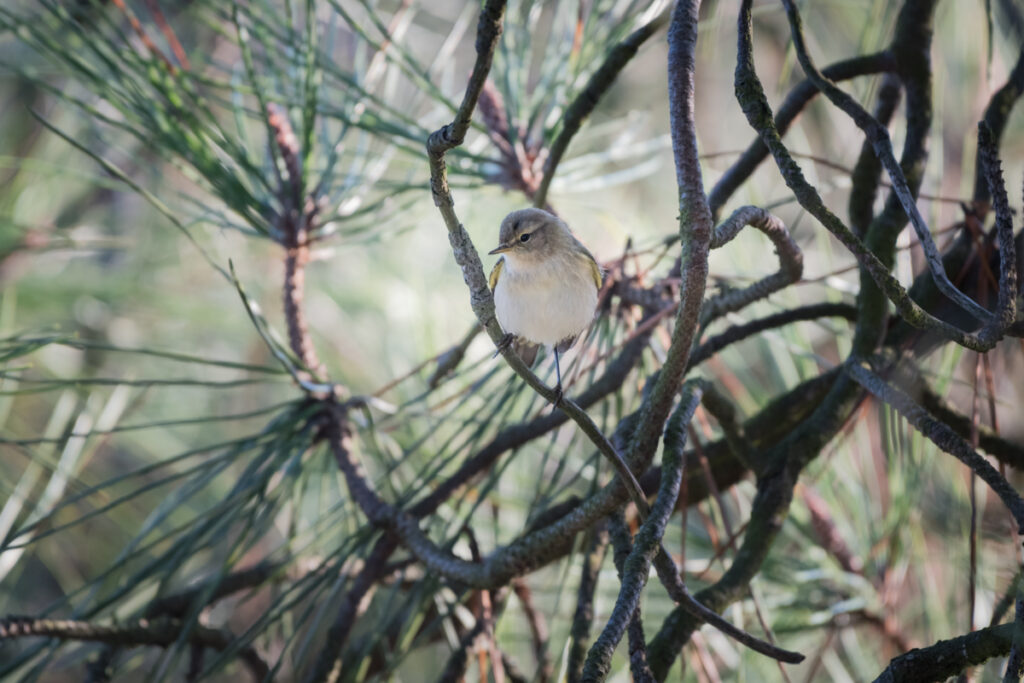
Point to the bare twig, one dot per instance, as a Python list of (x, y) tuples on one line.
[(828, 535), (583, 618), (161, 632), (538, 630), (581, 107)]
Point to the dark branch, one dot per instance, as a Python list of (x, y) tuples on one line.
[(790, 108), (949, 657), (997, 113), (583, 618), (159, 632), (879, 138), (941, 435)]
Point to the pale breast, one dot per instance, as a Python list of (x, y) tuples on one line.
[(545, 302)]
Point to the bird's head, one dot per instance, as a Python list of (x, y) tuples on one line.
[(532, 235)]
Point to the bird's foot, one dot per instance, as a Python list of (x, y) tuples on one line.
[(557, 401), (505, 342)]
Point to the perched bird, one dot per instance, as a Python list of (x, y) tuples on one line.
[(545, 285)]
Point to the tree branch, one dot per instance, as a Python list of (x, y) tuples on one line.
[(789, 110), (695, 228), (791, 261), (622, 542), (161, 632), (737, 333), (949, 657), (481, 300), (637, 566), (583, 618), (879, 138), (941, 435), (750, 94), (997, 113)]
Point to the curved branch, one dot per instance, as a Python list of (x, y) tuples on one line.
[(879, 138), (989, 441), (583, 618), (637, 566), (622, 542), (774, 494), (481, 300), (737, 333), (867, 172), (949, 657), (516, 435), (789, 110), (988, 163), (695, 228), (997, 113), (791, 261), (752, 99)]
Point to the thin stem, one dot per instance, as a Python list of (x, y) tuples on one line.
[(581, 107), (161, 632), (941, 435)]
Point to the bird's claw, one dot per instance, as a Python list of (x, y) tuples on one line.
[(505, 342), (557, 401)]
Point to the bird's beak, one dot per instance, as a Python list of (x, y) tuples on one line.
[(501, 249)]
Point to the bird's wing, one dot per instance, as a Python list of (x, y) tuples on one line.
[(492, 281), (595, 270)]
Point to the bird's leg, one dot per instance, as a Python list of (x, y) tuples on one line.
[(505, 342), (558, 374)]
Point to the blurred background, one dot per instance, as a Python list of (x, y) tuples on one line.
[(149, 437)]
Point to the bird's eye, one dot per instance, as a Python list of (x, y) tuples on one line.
[(525, 237)]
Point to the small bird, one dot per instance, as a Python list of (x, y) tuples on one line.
[(545, 285)]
